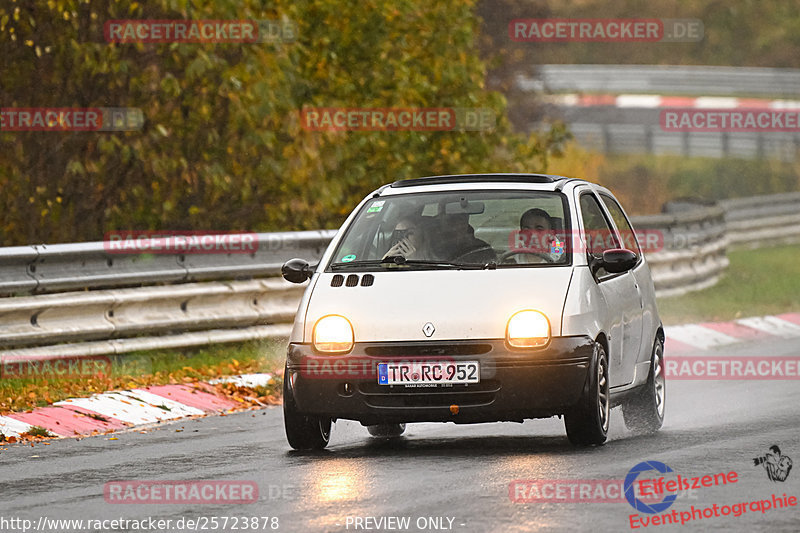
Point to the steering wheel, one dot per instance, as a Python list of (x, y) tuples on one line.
[(475, 251), (505, 255)]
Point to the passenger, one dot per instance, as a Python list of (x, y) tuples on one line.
[(536, 222), (408, 240), (535, 219)]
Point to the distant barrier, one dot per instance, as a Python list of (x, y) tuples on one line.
[(694, 253)]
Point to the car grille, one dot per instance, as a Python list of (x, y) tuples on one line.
[(381, 396), (427, 349)]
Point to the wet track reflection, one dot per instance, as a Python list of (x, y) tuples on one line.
[(449, 477)]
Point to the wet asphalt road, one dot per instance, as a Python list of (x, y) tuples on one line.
[(459, 475)]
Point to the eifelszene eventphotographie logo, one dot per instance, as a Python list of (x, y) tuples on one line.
[(777, 465), (638, 504)]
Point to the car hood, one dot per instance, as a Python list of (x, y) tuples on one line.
[(463, 304)]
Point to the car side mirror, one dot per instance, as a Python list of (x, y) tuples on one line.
[(297, 270), (619, 260)]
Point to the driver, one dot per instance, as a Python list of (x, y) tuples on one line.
[(456, 241)]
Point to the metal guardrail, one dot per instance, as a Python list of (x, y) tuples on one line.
[(143, 302), (694, 253), (132, 302), (771, 219), (57, 267), (678, 80), (612, 135), (106, 314)]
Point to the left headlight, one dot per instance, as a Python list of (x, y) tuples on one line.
[(333, 334), (528, 329)]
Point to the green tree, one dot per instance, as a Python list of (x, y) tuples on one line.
[(222, 147)]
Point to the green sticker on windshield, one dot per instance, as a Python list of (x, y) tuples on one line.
[(376, 206), (348, 258)]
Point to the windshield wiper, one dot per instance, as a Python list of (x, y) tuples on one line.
[(355, 264), (400, 260)]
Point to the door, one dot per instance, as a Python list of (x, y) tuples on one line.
[(634, 340), (620, 291)]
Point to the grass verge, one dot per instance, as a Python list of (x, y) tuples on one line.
[(758, 282), (27, 387)]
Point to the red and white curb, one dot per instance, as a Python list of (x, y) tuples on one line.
[(117, 410), (710, 335), (656, 101)]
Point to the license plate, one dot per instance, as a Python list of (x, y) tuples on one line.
[(429, 373)]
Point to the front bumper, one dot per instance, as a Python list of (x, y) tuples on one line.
[(514, 385)]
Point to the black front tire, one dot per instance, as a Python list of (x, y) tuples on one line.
[(304, 432), (644, 411), (587, 422), (386, 430)]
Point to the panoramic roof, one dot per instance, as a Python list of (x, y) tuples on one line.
[(479, 178)]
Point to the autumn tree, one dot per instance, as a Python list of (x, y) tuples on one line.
[(221, 147)]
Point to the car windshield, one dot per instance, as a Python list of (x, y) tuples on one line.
[(463, 229)]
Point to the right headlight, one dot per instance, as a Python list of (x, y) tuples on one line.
[(528, 329), (333, 334)]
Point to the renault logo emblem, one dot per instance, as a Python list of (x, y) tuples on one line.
[(428, 329)]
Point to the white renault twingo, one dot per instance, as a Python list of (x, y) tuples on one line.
[(477, 298)]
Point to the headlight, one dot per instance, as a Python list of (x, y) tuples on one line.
[(333, 334), (528, 329)]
